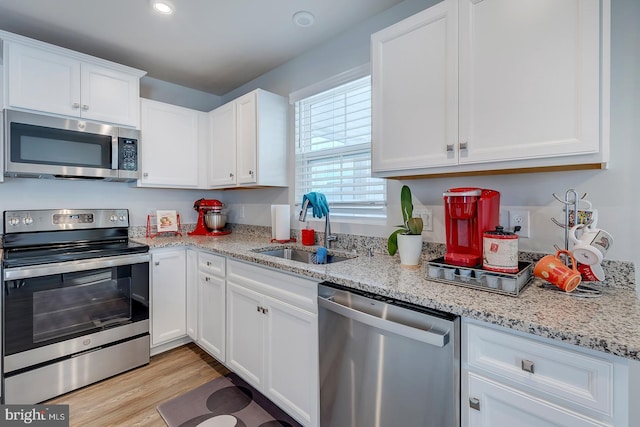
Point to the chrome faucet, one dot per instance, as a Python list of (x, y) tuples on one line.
[(328, 237)]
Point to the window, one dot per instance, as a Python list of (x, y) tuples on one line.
[(333, 150)]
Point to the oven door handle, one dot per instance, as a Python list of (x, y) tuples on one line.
[(73, 266)]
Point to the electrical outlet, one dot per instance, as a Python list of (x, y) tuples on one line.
[(519, 218), (427, 218), (241, 213)]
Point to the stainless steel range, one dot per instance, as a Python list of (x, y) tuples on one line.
[(75, 302)]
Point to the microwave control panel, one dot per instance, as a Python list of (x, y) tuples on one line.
[(128, 154)]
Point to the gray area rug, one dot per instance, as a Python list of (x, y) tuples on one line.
[(224, 402)]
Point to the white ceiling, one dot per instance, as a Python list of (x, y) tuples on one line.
[(210, 45)]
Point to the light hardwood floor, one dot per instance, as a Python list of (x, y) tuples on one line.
[(130, 399)]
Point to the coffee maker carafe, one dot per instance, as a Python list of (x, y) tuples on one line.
[(468, 213)]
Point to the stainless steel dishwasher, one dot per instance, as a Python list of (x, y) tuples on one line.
[(385, 362)]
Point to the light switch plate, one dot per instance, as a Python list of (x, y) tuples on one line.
[(427, 218)]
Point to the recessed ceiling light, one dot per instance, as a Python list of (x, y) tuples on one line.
[(165, 7), (303, 18)]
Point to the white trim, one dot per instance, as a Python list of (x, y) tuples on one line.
[(330, 83)]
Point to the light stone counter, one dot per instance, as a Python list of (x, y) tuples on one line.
[(610, 323)]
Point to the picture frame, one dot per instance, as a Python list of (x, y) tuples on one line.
[(167, 220)]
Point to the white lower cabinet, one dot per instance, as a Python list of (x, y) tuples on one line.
[(509, 379), (272, 336), (168, 295), (211, 305)]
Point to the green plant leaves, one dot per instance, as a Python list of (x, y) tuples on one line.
[(414, 225), (392, 242), (406, 204)]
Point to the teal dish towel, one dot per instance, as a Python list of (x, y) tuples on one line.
[(318, 202)]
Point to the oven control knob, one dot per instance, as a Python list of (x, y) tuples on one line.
[(122, 218), (113, 218), (27, 220), (14, 221), (86, 341)]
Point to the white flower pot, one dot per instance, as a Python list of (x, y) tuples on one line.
[(410, 249)]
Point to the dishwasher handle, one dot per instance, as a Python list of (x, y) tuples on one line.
[(435, 338)]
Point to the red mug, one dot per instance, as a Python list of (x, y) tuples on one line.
[(308, 237), (552, 269)]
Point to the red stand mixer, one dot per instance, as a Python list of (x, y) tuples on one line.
[(211, 220), (468, 213)]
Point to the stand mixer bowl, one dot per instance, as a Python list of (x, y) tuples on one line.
[(215, 221)]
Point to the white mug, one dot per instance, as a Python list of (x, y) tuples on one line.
[(591, 246)]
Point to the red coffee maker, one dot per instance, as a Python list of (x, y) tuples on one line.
[(468, 213)]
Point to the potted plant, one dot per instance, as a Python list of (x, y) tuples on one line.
[(408, 239)]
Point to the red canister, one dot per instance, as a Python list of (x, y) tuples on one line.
[(500, 251)]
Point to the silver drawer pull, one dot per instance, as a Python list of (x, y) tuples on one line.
[(449, 148), (527, 365), (464, 145), (474, 403)]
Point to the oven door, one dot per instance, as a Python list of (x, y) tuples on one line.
[(54, 310)]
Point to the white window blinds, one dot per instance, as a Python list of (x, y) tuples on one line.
[(333, 150)]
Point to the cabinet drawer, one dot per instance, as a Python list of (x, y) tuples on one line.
[(294, 290), (556, 373), (212, 264)]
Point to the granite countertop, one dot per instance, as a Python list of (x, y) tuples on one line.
[(610, 323)]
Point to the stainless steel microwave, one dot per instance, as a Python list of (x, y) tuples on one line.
[(41, 146)]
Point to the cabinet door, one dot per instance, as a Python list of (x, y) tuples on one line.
[(109, 95), (291, 350), (498, 405), (246, 138), (168, 297), (245, 334), (529, 79), (222, 155), (211, 315), (170, 154), (192, 294), (43, 81), (415, 91)]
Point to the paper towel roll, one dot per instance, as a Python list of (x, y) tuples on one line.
[(280, 222)]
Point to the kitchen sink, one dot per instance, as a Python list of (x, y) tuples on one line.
[(300, 255)]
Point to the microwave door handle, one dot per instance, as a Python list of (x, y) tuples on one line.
[(114, 152)]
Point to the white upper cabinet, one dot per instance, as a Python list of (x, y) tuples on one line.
[(170, 154), (222, 158), (472, 85), (45, 78), (415, 91), (248, 144)]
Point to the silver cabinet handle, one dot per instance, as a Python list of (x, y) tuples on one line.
[(474, 403), (436, 338), (527, 365), (464, 145), (75, 105), (230, 175), (251, 173), (85, 107), (450, 148), (207, 279), (208, 263), (156, 263), (258, 309), (145, 175)]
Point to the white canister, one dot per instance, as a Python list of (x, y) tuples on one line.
[(500, 251)]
